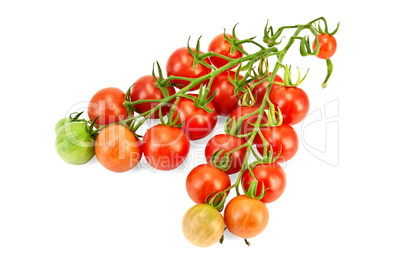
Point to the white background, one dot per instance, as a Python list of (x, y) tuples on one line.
[(342, 206)]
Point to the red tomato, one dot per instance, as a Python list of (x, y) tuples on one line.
[(261, 88), (225, 100), (205, 179), (220, 46), (227, 143), (117, 149), (246, 126), (144, 88), (271, 175), (246, 217), (108, 105), (198, 123), (327, 45), (180, 63), (293, 103), (282, 136), (165, 147)]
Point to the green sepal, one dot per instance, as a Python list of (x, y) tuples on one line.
[(225, 163), (216, 201)]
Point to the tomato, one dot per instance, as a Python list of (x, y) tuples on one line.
[(225, 100), (117, 149), (108, 105), (246, 217), (203, 225), (283, 136), (165, 147), (227, 143), (74, 144), (61, 123), (144, 88), (293, 103), (327, 45), (246, 126), (220, 46), (261, 88), (180, 63), (205, 179), (198, 122), (271, 175)]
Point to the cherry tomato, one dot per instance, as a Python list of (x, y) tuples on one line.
[(180, 63), (225, 100), (293, 103), (203, 225), (198, 122), (261, 88), (117, 149), (246, 217), (246, 126), (327, 45), (227, 143), (282, 136), (220, 46), (205, 179), (108, 105), (271, 175), (165, 147), (144, 88)]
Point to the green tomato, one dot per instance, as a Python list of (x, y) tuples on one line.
[(203, 225), (61, 123), (74, 144)]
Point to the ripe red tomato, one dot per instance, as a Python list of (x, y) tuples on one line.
[(246, 126), (117, 149), (282, 136), (220, 46), (227, 143), (246, 217), (165, 147), (225, 100), (198, 123), (205, 179), (144, 88), (293, 103), (327, 45), (271, 175), (107, 103), (261, 88), (180, 63)]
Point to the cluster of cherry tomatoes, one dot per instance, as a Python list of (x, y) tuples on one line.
[(110, 135)]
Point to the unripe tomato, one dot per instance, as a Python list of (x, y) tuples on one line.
[(203, 225)]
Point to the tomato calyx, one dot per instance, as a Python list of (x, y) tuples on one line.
[(287, 80), (267, 156), (203, 100), (252, 190), (198, 57), (236, 44), (317, 28), (216, 200), (224, 163), (269, 36)]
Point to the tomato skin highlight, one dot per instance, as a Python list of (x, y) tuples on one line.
[(246, 217), (205, 179), (293, 103), (180, 63), (225, 100), (283, 136), (74, 143), (107, 103), (271, 175), (165, 147), (203, 225), (117, 149), (227, 143), (241, 111), (261, 88), (198, 123), (220, 46), (327, 44), (144, 88)]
